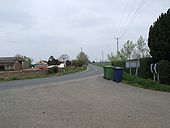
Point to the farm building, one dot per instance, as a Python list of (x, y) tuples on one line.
[(10, 64)]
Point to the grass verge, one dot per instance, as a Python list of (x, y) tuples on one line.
[(68, 70), (72, 70), (144, 83)]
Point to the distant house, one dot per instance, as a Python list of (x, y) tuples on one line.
[(62, 65), (41, 65), (10, 64)]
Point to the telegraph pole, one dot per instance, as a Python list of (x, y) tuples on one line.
[(81, 49), (102, 56), (117, 38)]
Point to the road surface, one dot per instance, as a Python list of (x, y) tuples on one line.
[(92, 70), (82, 100)]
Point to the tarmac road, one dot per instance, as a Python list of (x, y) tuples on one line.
[(92, 70), (82, 102)]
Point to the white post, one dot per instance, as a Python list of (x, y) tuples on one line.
[(137, 67)]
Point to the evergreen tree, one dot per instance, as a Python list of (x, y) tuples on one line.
[(159, 38), (53, 61)]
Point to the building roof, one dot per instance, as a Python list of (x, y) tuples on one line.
[(8, 59)]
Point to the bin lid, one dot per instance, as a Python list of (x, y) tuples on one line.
[(108, 66), (117, 68)]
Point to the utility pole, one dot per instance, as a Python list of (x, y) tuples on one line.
[(117, 38), (81, 49), (102, 56)]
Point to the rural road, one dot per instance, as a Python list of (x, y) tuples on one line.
[(81, 100), (92, 70)]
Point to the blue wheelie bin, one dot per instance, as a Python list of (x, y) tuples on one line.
[(118, 72)]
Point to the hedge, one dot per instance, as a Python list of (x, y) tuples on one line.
[(164, 71), (144, 70)]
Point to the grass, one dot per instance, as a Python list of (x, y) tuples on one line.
[(21, 78), (68, 70), (144, 83)]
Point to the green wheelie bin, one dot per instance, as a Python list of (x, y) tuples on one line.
[(108, 72), (104, 70)]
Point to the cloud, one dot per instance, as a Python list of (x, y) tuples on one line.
[(40, 28)]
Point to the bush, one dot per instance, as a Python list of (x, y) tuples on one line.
[(118, 63), (77, 63), (74, 63), (1, 79), (53, 70), (164, 71), (144, 70), (68, 63)]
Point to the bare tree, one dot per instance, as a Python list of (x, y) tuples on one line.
[(64, 57)]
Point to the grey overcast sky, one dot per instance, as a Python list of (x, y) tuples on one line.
[(41, 28)]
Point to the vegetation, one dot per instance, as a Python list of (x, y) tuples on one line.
[(64, 57), (164, 71), (68, 63), (67, 70), (141, 50), (159, 38), (72, 69), (131, 51), (159, 44), (25, 59), (127, 49), (83, 58), (53, 61), (144, 83), (144, 69), (53, 70), (124, 53), (22, 78)]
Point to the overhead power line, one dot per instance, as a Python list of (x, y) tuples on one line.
[(126, 16), (133, 18), (124, 12)]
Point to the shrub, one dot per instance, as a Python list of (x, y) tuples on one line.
[(164, 71), (118, 63), (144, 70), (68, 63), (53, 70), (74, 63), (77, 63)]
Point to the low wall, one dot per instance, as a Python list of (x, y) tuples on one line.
[(23, 73)]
